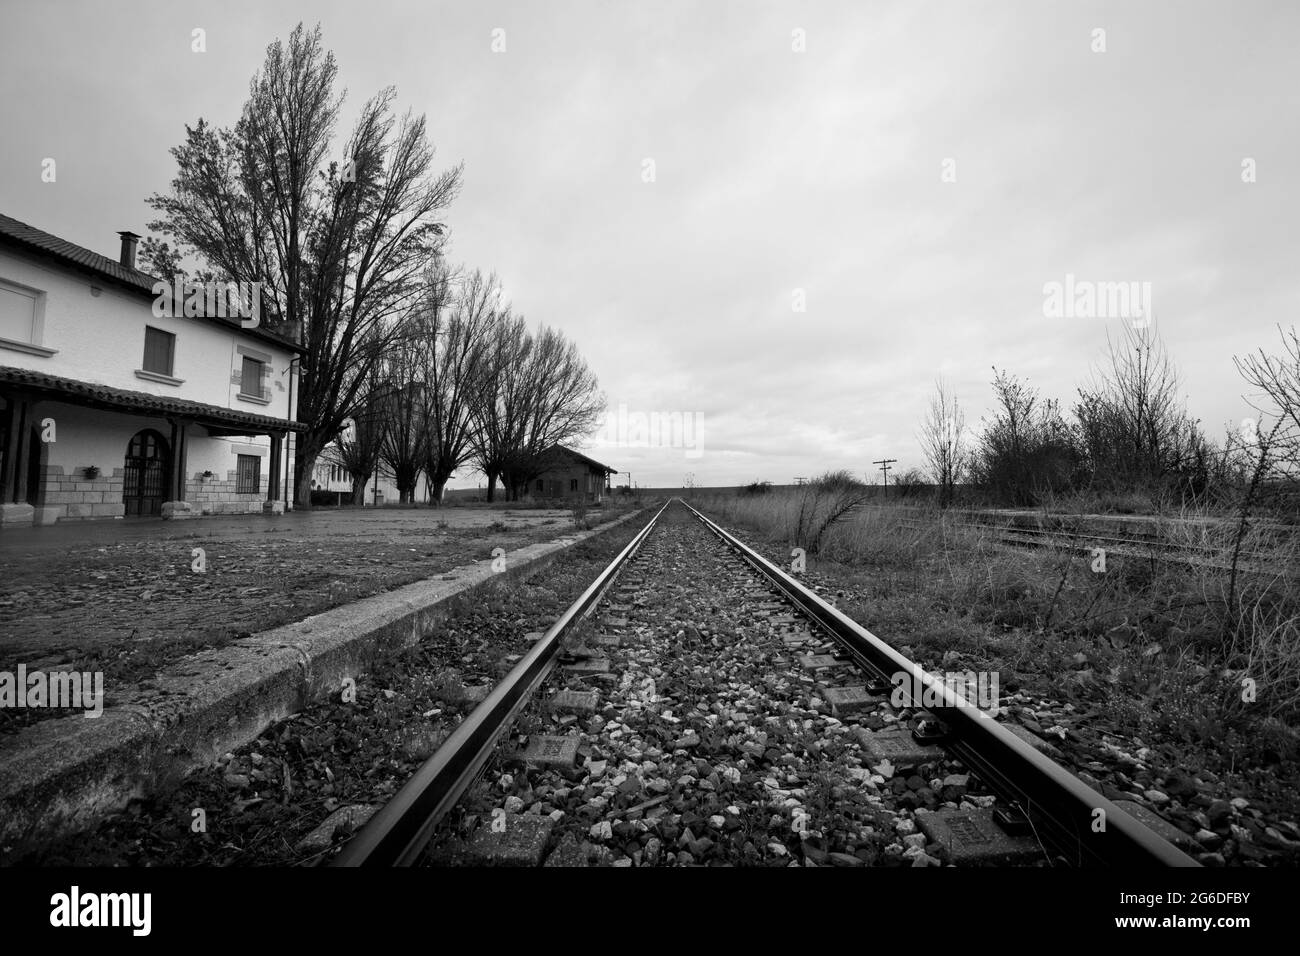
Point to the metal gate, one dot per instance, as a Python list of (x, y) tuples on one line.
[(144, 482), (248, 480)]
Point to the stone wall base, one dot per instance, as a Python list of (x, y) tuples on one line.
[(17, 516), (177, 509)]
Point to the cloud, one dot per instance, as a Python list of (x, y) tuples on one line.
[(776, 171)]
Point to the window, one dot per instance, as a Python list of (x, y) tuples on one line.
[(573, 484), (541, 486), (250, 379), (22, 319), (248, 479), (17, 314), (159, 351)]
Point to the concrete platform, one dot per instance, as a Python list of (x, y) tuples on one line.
[(64, 773), (109, 588)]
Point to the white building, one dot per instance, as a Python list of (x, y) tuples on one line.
[(331, 477), (110, 410)]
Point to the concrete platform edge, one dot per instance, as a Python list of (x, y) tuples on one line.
[(64, 774)]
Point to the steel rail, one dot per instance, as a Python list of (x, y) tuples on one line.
[(1060, 808), (399, 831), (1145, 549)]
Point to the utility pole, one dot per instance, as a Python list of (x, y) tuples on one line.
[(800, 481), (884, 464)]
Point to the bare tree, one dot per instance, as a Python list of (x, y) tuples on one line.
[(943, 442), (458, 340), (533, 391), (403, 399), (1277, 377), (1134, 427), (339, 250), (498, 396), (359, 444), (1027, 450), (560, 402)]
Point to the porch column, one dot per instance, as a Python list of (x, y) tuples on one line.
[(13, 482), (277, 451), (15, 512), (179, 455)]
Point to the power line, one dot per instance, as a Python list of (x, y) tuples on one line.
[(884, 464)]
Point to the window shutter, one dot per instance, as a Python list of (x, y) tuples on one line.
[(250, 378), (159, 349)]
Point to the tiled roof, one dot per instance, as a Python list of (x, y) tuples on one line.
[(564, 450), (32, 238), (120, 399)]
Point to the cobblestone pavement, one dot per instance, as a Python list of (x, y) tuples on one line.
[(124, 596)]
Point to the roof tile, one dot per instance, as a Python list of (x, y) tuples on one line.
[(33, 238), (127, 400)]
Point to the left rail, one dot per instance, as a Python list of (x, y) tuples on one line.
[(398, 833)]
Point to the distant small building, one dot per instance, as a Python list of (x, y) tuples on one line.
[(331, 478), (568, 474)]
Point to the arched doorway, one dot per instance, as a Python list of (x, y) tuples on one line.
[(144, 483)]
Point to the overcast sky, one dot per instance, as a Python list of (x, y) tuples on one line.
[(799, 155)]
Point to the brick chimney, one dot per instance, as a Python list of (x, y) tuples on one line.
[(129, 241)]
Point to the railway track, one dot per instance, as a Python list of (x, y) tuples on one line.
[(697, 704), (1142, 547)]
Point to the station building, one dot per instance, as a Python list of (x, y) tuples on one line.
[(110, 410), (571, 475)]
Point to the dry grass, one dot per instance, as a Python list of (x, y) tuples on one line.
[(1173, 643)]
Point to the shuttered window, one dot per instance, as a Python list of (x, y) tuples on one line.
[(159, 350), (250, 381), (248, 479)]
